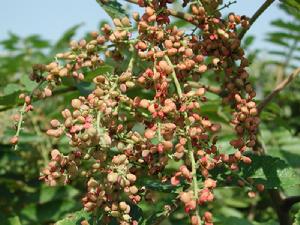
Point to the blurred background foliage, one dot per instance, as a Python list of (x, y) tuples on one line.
[(25, 200)]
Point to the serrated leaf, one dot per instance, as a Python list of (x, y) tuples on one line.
[(273, 172), (75, 218), (29, 85), (113, 8), (12, 88)]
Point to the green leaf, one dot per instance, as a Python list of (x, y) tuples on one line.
[(232, 220), (158, 186), (12, 88), (48, 194), (297, 219), (36, 41), (85, 88), (113, 8), (158, 213), (14, 220), (248, 41), (75, 218), (10, 99), (11, 42), (289, 26), (273, 172), (104, 69), (292, 3), (50, 211), (29, 85)]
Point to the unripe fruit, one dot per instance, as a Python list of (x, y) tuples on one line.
[(131, 177), (14, 140), (112, 177), (149, 134), (55, 153), (165, 67), (202, 68), (260, 187), (76, 103), (149, 11)]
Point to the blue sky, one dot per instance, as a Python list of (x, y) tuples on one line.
[(51, 18)]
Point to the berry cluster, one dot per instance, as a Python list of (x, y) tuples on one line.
[(117, 137)]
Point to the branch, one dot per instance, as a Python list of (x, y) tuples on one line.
[(277, 89), (289, 202), (55, 93), (181, 15), (282, 213), (261, 9)]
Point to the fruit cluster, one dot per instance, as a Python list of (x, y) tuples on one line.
[(118, 137)]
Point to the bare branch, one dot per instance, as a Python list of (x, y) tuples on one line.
[(261, 9), (277, 89)]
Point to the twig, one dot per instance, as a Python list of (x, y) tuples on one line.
[(277, 89), (55, 93), (282, 212), (22, 112), (261, 9), (227, 5)]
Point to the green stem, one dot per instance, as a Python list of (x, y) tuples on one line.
[(174, 77), (22, 112), (190, 147)]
